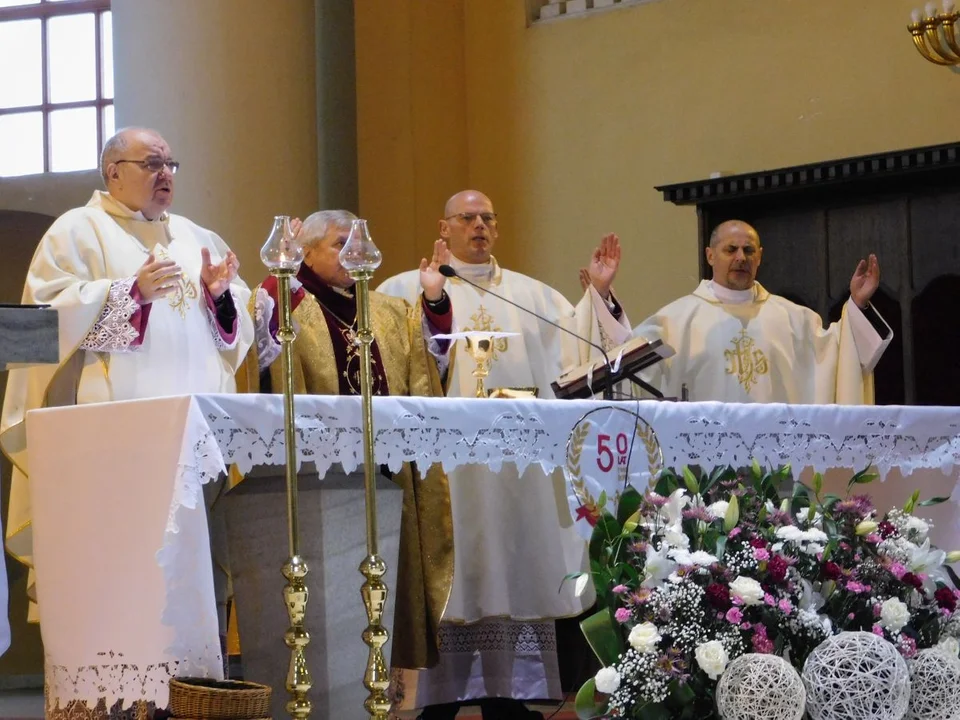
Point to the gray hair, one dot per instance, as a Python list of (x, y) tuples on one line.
[(317, 225), (116, 146)]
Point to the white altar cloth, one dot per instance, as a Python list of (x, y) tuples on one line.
[(121, 551)]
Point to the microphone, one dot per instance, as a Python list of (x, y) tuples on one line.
[(448, 271)]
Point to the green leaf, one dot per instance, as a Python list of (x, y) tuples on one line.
[(721, 547), (586, 704), (654, 711), (953, 576), (691, 481), (682, 692), (603, 636), (863, 477), (602, 500), (732, 516), (605, 531), (667, 483), (912, 502), (817, 483), (630, 502), (811, 514), (933, 501)]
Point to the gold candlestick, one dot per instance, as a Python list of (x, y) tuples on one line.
[(360, 257), (282, 255)]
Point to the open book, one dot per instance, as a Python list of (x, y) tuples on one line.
[(635, 355)]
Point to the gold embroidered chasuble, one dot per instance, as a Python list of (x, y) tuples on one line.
[(766, 349), (425, 571)]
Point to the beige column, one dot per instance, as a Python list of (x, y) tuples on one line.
[(231, 86)]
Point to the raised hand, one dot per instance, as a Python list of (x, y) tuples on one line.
[(865, 281), (604, 264), (431, 280), (157, 278), (584, 279), (218, 277)]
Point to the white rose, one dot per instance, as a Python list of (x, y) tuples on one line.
[(712, 658), (607, 680), (718, 509), (747, 590), (894, 615), (644, 638), (950, 645)]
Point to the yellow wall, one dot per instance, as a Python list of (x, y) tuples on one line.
[(570, 124), (231, 86)]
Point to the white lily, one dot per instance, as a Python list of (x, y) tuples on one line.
[(657, 567), (675, 504)]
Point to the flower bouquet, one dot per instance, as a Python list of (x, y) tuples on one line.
[(710, 565)]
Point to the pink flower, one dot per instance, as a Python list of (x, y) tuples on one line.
[(855, 587), (734, 615), (761, 553), (761, 643), (746, 626), (898, 570), (877, 609), (908, 646), (769, 600), (622, 615), (620, 589), (785, 605), (877, 630), (850, 616), (873, 538), (734, 532)]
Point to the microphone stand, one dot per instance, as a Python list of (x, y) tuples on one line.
[(613, 376)]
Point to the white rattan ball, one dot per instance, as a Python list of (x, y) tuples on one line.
[(934, 686), (760, 687), (856, 676)]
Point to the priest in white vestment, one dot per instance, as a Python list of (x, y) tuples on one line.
[(513, 536), (149, 304), (736, 342)]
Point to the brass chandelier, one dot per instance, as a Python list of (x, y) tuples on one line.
[(934, 33)]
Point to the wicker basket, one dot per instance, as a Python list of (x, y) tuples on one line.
[(205, 699)]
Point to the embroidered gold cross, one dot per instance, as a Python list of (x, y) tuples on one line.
[(483, 321), (185, 291), (746, 361)]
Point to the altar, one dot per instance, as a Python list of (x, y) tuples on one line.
[(121, 543)]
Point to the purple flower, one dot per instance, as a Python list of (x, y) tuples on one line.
[(698, 513), (877, 630), (785, 605), (897, 570), (734, 533), (761, 553), (734, 615), (769, 599), (855, 587), (619, 589), (859, 505), (873, 539), (946, 599), (623, 614), (655, 499)]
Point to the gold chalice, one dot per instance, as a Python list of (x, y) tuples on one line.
[(480, 346)]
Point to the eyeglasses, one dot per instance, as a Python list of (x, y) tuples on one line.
[(488, 218), (154, 165)]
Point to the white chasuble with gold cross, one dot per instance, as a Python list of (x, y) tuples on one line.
[(84, 267), (513, 536), (752, 346)]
